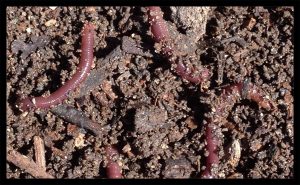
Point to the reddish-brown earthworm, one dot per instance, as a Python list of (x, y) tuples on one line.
[(160, 32), (82, 72)]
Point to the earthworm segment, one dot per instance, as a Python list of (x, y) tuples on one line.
[(212, 159), (82, 72), (238, 91)]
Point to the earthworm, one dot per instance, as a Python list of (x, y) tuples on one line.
[(82, 72), (220, 110), (161, 35), (113, 170)]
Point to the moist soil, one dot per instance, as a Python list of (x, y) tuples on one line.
[(154, 118)]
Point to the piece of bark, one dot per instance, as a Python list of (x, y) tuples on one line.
[(77, 117)]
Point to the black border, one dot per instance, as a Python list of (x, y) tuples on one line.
[(6, 3)]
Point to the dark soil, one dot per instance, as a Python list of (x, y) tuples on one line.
[(155, 118)]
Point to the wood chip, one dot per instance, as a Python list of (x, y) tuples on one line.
[(191, 123), (250, 23), (236, 153), (39, 151), (107, 88)]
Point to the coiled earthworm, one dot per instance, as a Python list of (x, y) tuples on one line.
[(233, 93), (86, 60), (113, 170), (161, 35), (221, 108)]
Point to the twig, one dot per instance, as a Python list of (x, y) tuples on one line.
[(39, 151), (77, 117), (27, 164)]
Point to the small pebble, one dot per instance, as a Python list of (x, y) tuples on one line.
[(51, 22), (28, 30), (79, 140), (282, 91)]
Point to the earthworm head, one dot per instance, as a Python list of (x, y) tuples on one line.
[(159, 27), (87, 28), (24, 104)]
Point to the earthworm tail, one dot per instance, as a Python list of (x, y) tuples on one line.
[(212, 158), (83, 70), (113, 169)]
